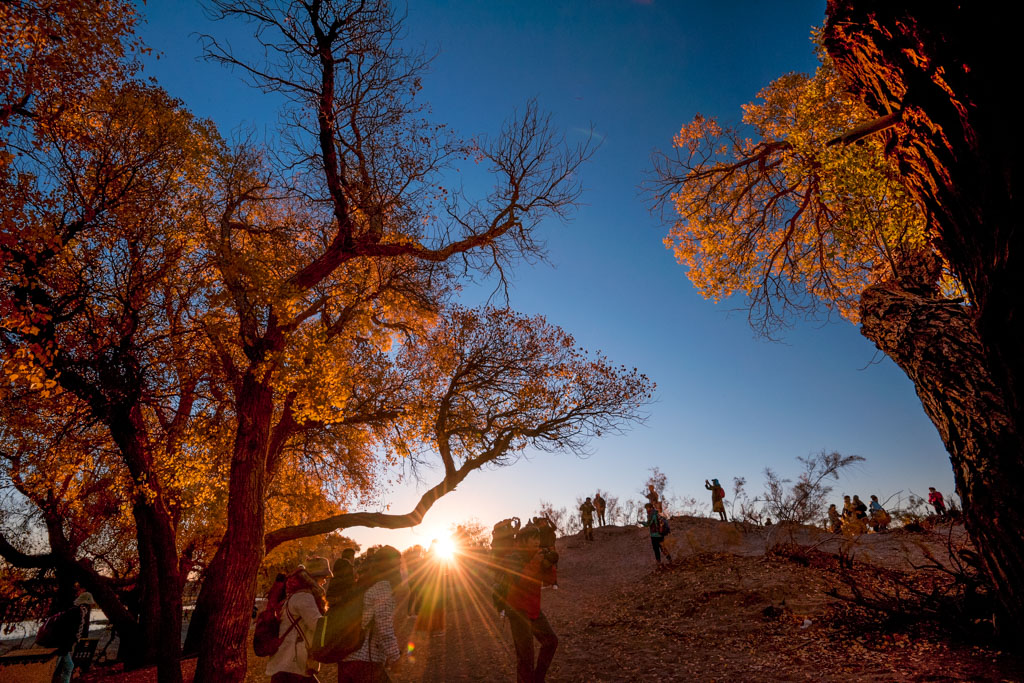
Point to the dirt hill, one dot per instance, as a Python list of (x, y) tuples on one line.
[(756, 604), (734, 606)]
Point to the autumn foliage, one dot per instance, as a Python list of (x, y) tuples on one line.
[(211, 348), (774, 211)]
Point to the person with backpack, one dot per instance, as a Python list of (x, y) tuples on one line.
[(599, 507), (717, 497), (587, 518), (659, 529), (379, 648), (63, 631), (879, 518), (302, 607), (530, 568)]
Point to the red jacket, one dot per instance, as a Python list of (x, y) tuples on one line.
[(936, 497), (524, 593)]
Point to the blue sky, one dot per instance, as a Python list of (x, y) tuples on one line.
[(728, 403)]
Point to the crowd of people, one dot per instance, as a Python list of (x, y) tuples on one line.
[(302, 597), (857, 518)]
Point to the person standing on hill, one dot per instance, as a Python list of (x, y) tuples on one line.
[(848, 509), (717, 497), (860, 509), (656, 524), (652, 497), (935, 498), (879, 518), (835, 523), (599, 506), (587, 517), (527, 621)]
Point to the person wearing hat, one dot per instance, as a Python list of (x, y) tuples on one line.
[(304, 605), (65, 664), (717, 497)]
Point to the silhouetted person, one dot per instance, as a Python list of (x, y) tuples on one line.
[(717, 497), (599, 507), (878, 518), (527, 621), (935, 498), (78, 619), (343, 581), (587, 517), (835, 522), (379, 578), (654, 524), (652, 497)]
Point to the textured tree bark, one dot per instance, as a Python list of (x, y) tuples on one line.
[(158, 637), (935, 341), (228, 594), (941, 65)]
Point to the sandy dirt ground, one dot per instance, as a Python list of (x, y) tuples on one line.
[(728, 608)]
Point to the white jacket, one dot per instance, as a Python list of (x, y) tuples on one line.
[(292, 656)]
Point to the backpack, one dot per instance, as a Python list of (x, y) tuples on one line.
[(661, 525), (265, 639), (503, 536), (507, 566), (60, 630), (547, 531), (340, 632)]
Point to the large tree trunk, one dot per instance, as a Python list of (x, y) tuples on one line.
[(229, 591), (941, 65), (936, 342), (158, 638)]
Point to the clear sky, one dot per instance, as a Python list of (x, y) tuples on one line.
[(728, 403)]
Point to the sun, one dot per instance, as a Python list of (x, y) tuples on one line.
[(445, 549)]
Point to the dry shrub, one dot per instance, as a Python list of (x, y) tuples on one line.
[(955, 598)]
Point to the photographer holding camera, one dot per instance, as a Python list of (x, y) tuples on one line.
[(538, 568)]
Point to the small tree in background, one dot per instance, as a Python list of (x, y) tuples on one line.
[(749, 511), (556, 516), (611, 506), (630, 512), (659, 480), (472, 532), (805, 501), (683, 506)]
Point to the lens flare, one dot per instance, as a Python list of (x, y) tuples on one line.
[(445, 549)]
